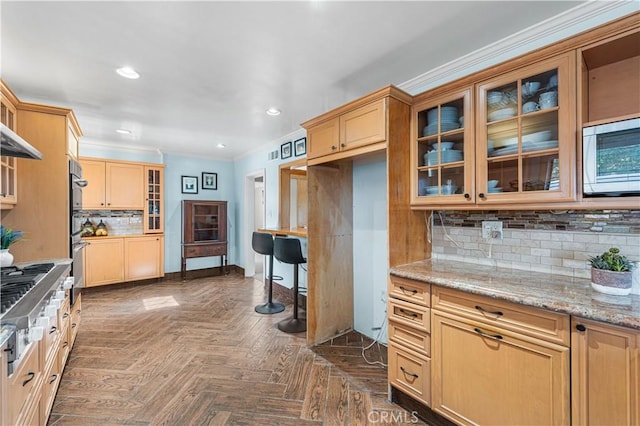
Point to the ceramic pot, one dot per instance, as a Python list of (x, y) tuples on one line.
[(6, 258), (611, 282)]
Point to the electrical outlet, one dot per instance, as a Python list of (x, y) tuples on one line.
[(491, 229)]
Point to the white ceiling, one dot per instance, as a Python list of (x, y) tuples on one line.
[(209, 70)]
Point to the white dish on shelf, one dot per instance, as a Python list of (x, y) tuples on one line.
[(502, 114), (511, 149), (537, 146), (432, 129), (494, 190), (536, 137)]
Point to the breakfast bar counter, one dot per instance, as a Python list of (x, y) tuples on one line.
[(285, 232), (558, 293)]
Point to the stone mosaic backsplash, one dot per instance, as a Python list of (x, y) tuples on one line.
[(612, 221), (557, 243), (123, 222)]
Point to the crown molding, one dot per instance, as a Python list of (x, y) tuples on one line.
[(543, 33)]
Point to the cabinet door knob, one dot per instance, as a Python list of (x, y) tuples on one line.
[(102, 204), (467, 196), (333, 147), (342, 145), (580, 327), (481, 195)]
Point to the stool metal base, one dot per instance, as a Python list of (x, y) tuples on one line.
[(293, 325), (270, 308)]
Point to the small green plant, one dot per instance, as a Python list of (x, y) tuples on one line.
[(8, 237), (611, 260)]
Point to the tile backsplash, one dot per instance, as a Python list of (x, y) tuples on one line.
[(558, 243), (125, 222)]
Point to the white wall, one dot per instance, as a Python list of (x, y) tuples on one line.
[(370, 245)]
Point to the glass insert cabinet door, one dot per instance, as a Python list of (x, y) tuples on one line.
[(442, 151), (153, 214), (526, 137)]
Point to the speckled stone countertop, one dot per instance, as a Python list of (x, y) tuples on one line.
[(557, 293)]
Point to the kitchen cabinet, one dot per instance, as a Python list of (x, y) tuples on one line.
[(505, 140), (351, 128), (113, 259), (23, 390), (204, 231), (103, 261), (497, 362), (74, 324), (154, 199), (113, 185), (330, 203), (605, 371), (143, 258), (442, 149), (43, 210), (8, 165), (409, 338)]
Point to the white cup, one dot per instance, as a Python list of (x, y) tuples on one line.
[(548, 100), (530, 107)]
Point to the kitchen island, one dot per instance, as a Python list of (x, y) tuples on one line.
[(478, 344)]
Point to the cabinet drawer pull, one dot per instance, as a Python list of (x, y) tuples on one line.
[(580, 327), (66, 314), (481, 309), (410, 314), (65, 344), (53, 330), (408, 291), (54, 377), (31, 375), (415, 376), (492, 336), (73, 325)]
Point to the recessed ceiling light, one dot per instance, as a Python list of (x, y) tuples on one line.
[(221, 145), (123, 131), (128, 72), (273, 111)]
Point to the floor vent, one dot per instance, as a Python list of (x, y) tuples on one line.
[(273, 155)]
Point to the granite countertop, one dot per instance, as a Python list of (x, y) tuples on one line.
[(556, 293)]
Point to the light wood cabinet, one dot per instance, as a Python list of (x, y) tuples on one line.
[(23, 389), (113, 185), (103, 262), (483, 374), (111, 260), (605, 374), (509, 139), (143, 258), (8, 165), (154, 199), (347, 129), (74, 324), (410, 337)]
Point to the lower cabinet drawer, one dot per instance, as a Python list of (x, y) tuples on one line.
[(409, 314), (410, 373), (417, 340), (21, 387), (205, 250)]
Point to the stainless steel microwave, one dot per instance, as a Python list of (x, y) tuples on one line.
[(611, 159)]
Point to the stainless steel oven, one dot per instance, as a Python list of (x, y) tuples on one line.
[(76, 183)]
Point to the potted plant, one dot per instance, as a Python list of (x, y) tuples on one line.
[(611, 273), (7, 238)]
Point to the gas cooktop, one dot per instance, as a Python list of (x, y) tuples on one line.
[(16, 282)]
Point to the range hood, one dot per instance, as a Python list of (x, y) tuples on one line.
[(12, 145)]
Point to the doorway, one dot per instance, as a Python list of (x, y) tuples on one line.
[(254, 218)]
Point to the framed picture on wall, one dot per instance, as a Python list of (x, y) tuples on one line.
[(209, 180), (285, 150), (300, 146), (189, 184)]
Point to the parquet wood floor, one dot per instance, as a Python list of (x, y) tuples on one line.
[(196, 353)]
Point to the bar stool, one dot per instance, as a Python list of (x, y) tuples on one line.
[(289, 250), (263, 243)]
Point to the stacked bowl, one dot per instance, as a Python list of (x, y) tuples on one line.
[(448, 120)]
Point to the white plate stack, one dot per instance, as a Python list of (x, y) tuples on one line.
[(448, 120)]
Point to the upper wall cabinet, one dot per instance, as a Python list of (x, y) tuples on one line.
[(154, 199), (112, 185), (506, 140), (525, 134), (353, 129), (8, 165)]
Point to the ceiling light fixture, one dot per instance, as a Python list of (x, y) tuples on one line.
[(123, 131), (128, 72), (221, 145), (273, 111)]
